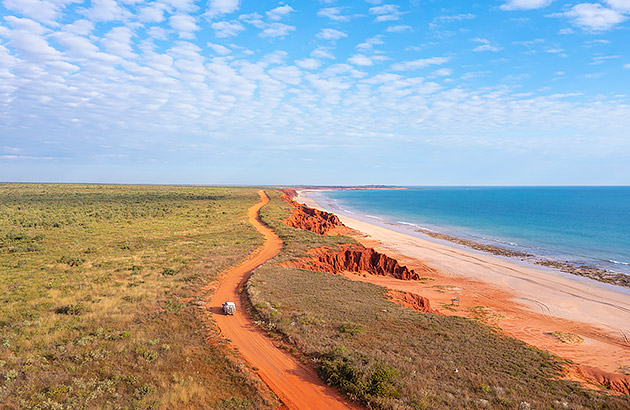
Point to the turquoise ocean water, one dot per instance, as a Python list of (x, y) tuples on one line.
[(588, 225)]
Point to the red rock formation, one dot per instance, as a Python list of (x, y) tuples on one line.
[(614, 381), (353, 258), (288, 194), (314, 220), (411, 300)]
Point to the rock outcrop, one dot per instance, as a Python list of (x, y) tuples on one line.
[(613, 381), (353, 258), (310, 219), (411, 300)]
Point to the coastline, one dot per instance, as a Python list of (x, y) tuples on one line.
[(534, 304), (574, 267)]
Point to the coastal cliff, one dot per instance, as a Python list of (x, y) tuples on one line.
[(310, 219), (353, 258), (596, 377)]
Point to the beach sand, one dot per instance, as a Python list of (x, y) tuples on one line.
[(575, 318)]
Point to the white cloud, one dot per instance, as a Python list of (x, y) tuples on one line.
[(418, 64), (602, 59), (185, 25), (219, 7), (626, 66), (308, 63), (41, 10), (333, 13), (361, 60), (26, 25), (274, 30), (154, 13), (287, 74), (596, 17), (80, 27), (485, 45), (322, 52), (219, 49), (225, 29), (106, 10), (276, 57), (32, 47), (331, 34), (279, 12), (443, 72), (386, 12), (118, 42), (158, 33), (370, 43), (525, 4), (621, 5), (399, 29), (81, 48), (451, 18), (179, 5)]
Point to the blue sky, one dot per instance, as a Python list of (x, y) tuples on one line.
[(420, 92)]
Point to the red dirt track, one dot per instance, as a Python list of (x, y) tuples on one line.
[(295, 384)]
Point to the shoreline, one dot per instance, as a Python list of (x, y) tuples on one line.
[(577, 268), (531, 303)]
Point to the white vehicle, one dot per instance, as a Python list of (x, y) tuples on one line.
[(229, 308)]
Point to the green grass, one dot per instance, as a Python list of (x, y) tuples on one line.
[(92, 287), (389, 357)]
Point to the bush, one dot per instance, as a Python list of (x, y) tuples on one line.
[(168, 272), (72, 310)]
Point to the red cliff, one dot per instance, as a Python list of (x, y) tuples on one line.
[(310, 219), (613, 381), (353, 258), (411, 300)]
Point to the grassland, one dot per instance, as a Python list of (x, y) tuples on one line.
[(92, 287), (389, 357)]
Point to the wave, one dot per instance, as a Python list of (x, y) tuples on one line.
[(408, 223), (617, 262)]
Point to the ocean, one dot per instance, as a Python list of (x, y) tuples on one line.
[(587, 225)]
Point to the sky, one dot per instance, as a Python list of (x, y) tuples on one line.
[(420, 92)]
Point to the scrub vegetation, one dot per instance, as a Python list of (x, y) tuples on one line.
[(389, 357), (94, 282)]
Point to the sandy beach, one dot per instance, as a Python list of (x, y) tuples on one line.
[(575, 318)]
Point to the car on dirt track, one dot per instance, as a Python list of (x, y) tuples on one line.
[(229, 308)]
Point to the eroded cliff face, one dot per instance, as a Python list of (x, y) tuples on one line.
[(310, 219), (613, 381), (314, 220), (411, 300), (353, 258)]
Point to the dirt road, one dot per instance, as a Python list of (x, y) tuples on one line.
[(297, 386)]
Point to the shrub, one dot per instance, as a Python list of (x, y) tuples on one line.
[(72, 310), (168, 272)]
